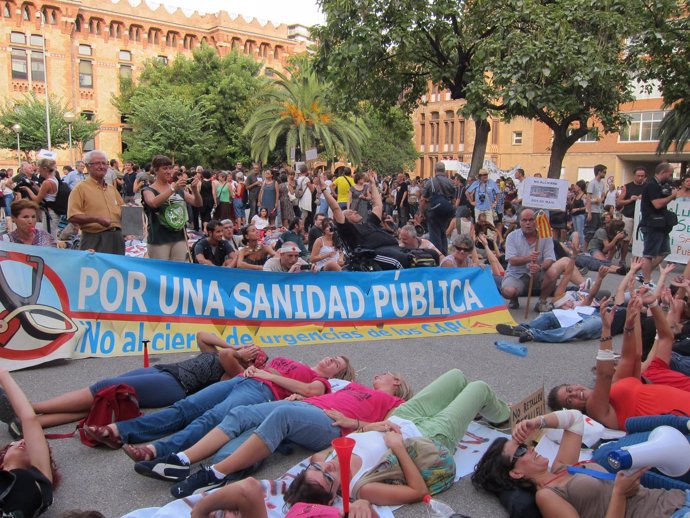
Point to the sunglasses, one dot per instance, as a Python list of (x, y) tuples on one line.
[(468, 250), (326, 474), (519, 452)]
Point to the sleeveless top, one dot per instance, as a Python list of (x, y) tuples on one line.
[(223, 193), (591, 496), (51, 197), (631, 189), (327, 249), (206, 192), (29, 492)]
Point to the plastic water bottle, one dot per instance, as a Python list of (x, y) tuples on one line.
[(512, 348), (437, 509)]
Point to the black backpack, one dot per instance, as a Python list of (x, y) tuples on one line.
[(59, 206)]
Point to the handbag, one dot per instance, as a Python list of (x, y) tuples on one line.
[(438, 203)]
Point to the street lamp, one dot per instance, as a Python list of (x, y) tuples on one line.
[(18, 129), (70, 117), (41, 16)]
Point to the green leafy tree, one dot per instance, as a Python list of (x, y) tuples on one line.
[(30, 114), (171, 126), (296, 110), (225, 89), (661, 54), (562, 63), (389, 147), (387, 53)]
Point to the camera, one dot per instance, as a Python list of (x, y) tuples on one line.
[(190, 180), (305, 267), (482, 198), (23, 181), (666, 189)]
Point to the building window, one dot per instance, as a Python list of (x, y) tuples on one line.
[(162, 59), (126, 71), (517, 138), (643, 127), (189, 41), (421, 167), (171, 39), (53, 17), (38, 71), (125, 55), (6, 12), (26, 13), (591, 136), (84, 50), (153, 36), (18, 37), (462, 132), (494, 132), (249, 47), (78, 22), (19, 65), (135, 33), (89, 145), (36, 40), (278, 52), (49, 16), (85, 73)]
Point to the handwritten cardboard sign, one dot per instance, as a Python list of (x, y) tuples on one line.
[(532, 406)]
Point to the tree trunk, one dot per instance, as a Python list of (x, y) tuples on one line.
[(482, 129), (560, 146)]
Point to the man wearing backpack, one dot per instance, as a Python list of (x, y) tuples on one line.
[(96, 207)]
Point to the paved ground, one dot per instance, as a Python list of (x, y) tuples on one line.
[(105, 480)]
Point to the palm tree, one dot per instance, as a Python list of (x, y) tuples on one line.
[(295, 110), (675, 127)]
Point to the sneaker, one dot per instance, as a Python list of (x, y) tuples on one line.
[(513, 304), (14, 427), (525, 337), (7, 413), (505, 329), (164, 468), (543, 306), (202, 480)]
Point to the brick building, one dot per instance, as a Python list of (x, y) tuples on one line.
[(90, 44), (440, 133)]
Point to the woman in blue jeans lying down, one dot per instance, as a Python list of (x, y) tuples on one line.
[(197, 414), (157, 386), (441, 412), (310, 423)]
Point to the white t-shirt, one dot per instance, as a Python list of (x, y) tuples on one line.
[(305, 200), (596, 190)]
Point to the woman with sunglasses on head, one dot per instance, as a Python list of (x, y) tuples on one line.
[(28, 473), (327, 253), (510, 464)]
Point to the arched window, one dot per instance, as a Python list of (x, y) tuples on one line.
[(26, 13), (6, 11), (171, 39), (249, 46), (135, 32), (278, 52), (95, 26), (53, 17), (154, 35), (78, 22), (236, 43), (116, 30)]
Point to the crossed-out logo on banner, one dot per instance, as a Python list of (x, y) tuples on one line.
[(34, 315)]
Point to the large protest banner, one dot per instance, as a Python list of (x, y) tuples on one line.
[(73, 304), (679, 236)]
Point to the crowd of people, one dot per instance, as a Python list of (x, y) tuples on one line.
[(237, 406)]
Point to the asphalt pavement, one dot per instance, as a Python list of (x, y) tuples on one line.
[(105, 480)]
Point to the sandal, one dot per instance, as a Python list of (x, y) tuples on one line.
[(103, 435), (137, 453)]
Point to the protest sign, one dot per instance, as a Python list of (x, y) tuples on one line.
[(84, 304), (530, 407), (679, 236), (544, 193)]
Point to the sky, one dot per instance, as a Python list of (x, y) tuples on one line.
[(305, 12)]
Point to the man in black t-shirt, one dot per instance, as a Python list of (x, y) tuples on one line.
[(629, 194), (356, 232), (213, 250), (656, 195)]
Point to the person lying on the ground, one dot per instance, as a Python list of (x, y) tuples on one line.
[(512, 464), (412, 455), (572, 320), (157, 386), (309, 423), (28, 473), (618, 391), (195, 416)]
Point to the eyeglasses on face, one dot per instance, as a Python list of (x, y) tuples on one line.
[(461, 249), (519, 452), (328, 476)]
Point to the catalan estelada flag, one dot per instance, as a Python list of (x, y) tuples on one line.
[(543, 227)]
